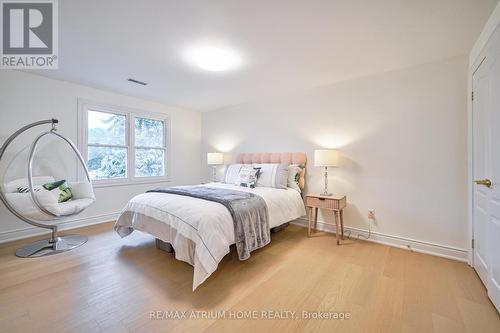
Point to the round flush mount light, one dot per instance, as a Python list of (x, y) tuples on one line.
[(214, 58)]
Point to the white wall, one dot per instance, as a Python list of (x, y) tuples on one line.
[(25, 98), (403, 136), (483, 38)]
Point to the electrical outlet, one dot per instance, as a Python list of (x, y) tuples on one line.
[(371, 214)]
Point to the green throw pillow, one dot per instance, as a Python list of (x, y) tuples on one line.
[(63, 188)]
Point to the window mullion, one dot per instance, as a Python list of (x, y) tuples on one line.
[(106, 145), (147, 147), (131, 142)]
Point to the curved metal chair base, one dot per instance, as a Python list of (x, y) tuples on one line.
[(44, 247)]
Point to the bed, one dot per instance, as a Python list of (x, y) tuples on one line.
[(202, 231)]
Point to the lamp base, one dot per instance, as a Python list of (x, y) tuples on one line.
[(325, 191), (214, 174)]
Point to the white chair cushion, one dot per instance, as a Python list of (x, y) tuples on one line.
[(83, 196), (23, 204), (74, 206)]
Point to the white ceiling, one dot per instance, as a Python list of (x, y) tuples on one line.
[(287, 45)]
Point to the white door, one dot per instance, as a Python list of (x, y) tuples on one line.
[(486, 169), (480, 168), (494, 152)]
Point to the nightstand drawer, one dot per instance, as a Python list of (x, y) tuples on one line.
[(325, 202)]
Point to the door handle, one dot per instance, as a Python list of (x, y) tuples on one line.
[(486, 182)]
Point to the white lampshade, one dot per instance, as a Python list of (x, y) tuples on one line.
[(215, 158), (326, 157)]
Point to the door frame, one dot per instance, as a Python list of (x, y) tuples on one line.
[(491, 27), (470, 155)]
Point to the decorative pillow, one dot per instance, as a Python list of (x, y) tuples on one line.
[(82, 190), (294, 171), (62, 189), (231, 173), (248, 176), (272, 175), (11, 187), (26, 189)]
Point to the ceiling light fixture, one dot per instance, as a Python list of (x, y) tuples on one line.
[(215, 59)]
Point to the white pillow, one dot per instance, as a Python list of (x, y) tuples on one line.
[(293, 171), (272, 175), (247, 176), (231, 173), (82, 190)]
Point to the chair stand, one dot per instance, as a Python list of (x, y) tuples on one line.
[(50, 246)]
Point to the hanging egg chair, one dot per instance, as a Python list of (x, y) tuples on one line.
[(42, 201)]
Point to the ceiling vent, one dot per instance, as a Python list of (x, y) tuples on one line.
[(137, 82)]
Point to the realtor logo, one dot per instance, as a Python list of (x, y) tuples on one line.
[(29, 34)]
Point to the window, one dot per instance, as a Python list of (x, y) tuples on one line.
[(107, 145), (149, 147), (123, 146)]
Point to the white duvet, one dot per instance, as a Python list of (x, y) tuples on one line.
[(201, 231)]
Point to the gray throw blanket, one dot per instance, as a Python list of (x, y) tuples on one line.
[(249, 213)]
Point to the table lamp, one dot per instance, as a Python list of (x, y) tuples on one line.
[(326, 158)]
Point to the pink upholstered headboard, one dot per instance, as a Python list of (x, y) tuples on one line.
[(284, 158)]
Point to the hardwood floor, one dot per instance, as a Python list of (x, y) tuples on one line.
[(113, 285)]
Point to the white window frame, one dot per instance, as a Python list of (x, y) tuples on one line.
[(84, 106)]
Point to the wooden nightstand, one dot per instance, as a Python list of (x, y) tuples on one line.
[(335, 203)]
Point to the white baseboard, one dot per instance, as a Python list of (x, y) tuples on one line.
[(397, 241), (13, 235)]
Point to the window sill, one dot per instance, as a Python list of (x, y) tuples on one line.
[(99, 184)]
